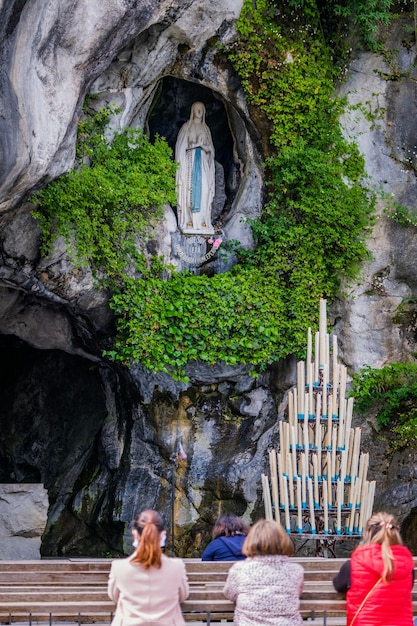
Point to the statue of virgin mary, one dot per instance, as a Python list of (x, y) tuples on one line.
[(194, 151)]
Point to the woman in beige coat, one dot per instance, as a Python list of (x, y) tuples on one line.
[(148, 587)]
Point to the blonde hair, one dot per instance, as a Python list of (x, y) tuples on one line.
[(149, 525), (267, 537), (384, 529)]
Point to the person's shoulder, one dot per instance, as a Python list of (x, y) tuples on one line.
[(173, 562), (294, 566), (403, 551), (120, 563)]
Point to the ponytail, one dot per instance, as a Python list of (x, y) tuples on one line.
[(383, 528), (149, 525)]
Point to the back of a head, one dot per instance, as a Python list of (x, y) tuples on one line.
[(267, 537), (149, 525), (384, 529), (228, 525)]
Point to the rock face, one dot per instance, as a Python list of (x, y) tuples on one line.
[(104, 440), (23, 514)]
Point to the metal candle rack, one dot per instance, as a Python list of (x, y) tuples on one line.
[(318, 476)]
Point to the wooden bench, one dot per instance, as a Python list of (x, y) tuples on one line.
[(75, 591)]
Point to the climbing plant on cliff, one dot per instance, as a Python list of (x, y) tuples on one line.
[(312, 229), (113, 194), (392, 392), (311, 232)]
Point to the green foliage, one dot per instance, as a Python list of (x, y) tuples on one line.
[(311, 232), (402, 214), (234, 317), (100, 208), (366, 15), (393, 391)]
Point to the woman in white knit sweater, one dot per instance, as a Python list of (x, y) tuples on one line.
[(266, 587)]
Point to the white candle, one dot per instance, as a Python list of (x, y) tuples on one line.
[(329, 481), (339, 507), (341, 429), (334, 443), (274, 482), (291, 419), (303, 481), (294, 450), (306, 443), (335, 388), (319, 457), (318, 417), (311, 505), (350, 453), (329, 431), (267, 497), (316, 358), (291, 485), (286, 507), (325, 381), (280, 478), (316, 482), (325, 508), (343, 465), (353, 509), (299, 506)]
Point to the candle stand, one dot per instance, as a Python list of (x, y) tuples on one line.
[(318, 487)]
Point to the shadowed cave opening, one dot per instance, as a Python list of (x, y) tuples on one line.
[(52, 411)]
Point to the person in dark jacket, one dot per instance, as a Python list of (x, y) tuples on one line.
[(229, 534), (379, 577)]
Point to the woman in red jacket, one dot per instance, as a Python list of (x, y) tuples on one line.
[(379, 577)]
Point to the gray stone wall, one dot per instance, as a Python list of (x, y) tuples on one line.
[(23, 514)]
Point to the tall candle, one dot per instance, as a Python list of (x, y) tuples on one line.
[(341, 426), (329, 480), (316, 358), (334, 443), (291, 485), (325, 381), (274, 482), (286, 507), (353, 509), (291, 418), (311, 505), (329, 432), (267, 497), (304, 482), (319, 451), (350, 453), (318, 418), (335, 388), (299, 507), (306, 444), (280, 475), (325, 508), (339, 507), (316, 482), (294, 450)]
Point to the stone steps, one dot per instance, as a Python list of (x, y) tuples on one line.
[(75, 591)]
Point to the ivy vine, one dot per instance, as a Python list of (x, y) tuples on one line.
[(392, 391), (311, 234)]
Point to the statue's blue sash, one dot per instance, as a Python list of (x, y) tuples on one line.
[(196, 178)]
